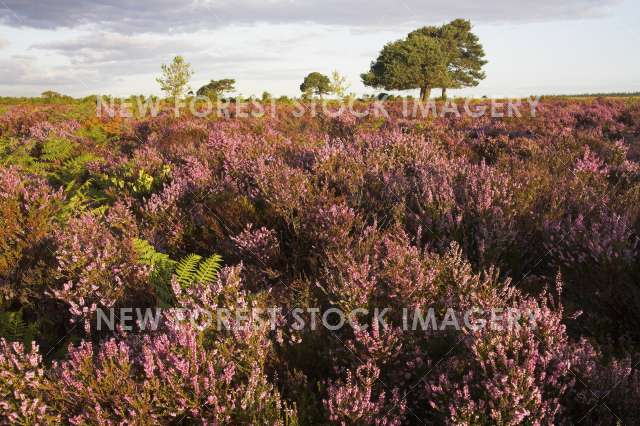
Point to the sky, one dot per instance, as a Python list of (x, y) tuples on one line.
[(83, 47)]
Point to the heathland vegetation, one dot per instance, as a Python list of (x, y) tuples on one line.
[(106, 217)]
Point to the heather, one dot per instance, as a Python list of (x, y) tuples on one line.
[(326, 210)]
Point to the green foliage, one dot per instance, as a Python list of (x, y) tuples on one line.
[(62, 162), (82, 197), (194, 269), (208, 269), (175, 77), (316, 83), (57, 150), (162, 268), (216, 88), (188, 271), (64, 165), (14, 328), (464, 53), (73, 167), (266, 96), (58, 159), (339, 85), (140, 183), (50, 94), (15, 152), (415, 63), (95, 133), (446, 56), (137, 182)]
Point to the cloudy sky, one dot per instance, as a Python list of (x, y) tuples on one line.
[(80, 47)]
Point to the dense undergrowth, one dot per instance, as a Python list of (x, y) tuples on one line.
[(534, 212)]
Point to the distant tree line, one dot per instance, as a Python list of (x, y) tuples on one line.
[(446, 56)]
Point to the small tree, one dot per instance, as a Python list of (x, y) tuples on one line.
[(316, 83), (175, 77), (266, 97), (339, 84), (216, 88)]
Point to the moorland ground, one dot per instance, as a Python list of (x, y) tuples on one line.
[(327, 210)]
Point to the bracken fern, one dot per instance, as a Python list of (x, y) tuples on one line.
[(190, 270)]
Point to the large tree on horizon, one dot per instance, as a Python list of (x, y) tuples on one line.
[(463, 51), (449, 56), (416, 63)]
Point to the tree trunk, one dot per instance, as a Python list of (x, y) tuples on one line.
[(444, 93), (425, 93)]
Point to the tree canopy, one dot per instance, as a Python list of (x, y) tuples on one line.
[(50, 94), (449, 56), (463, 52), (316, 83), (175, 77), (216, 88)]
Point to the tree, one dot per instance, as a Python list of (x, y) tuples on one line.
[(175, 77), (316, 83), (50, 94), (465, 54), (339, 84), (216, 88), (266, 97), (418, 62), (449, 56)]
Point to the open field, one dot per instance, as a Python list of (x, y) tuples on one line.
[(101, 215)]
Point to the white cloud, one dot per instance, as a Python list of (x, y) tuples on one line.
[(25, 71), (119, 64), (117, 46), (162, 16), (104, 48)]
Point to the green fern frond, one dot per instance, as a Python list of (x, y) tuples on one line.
[(75, 167), (81, 197), (14, 328), (164, 293), (57, 150), (148, 255), (208, 270), (77, 164), (162, 270), (187, 269)]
